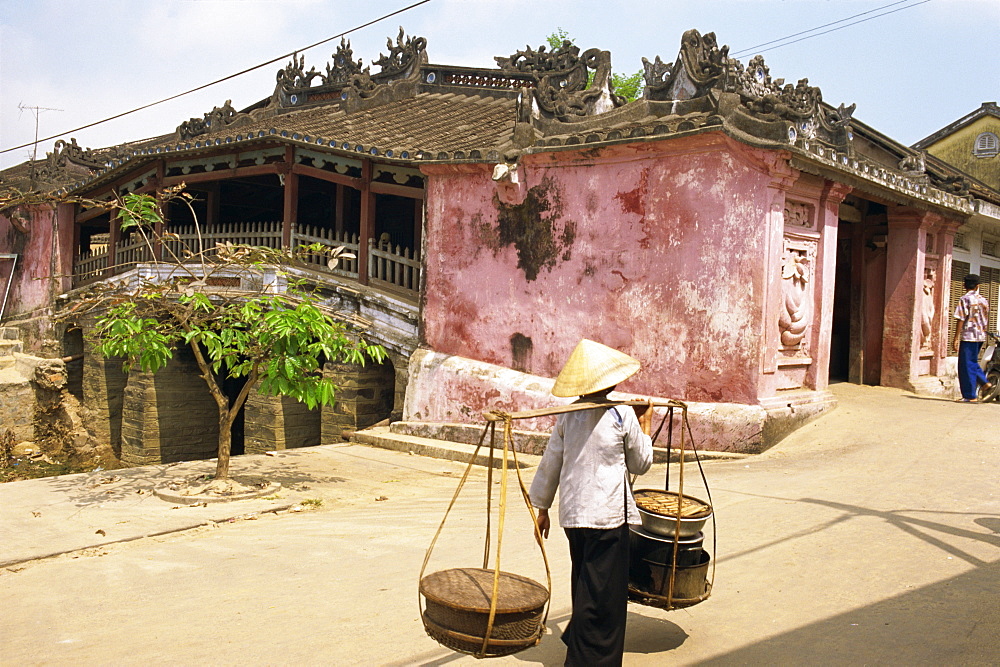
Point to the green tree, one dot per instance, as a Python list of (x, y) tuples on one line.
[(629, 86), (276, 341)]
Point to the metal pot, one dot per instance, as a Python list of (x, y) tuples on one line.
[(667, 525)]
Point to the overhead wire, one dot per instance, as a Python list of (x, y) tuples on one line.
[(780, 42), (225, 78), (753, 49)]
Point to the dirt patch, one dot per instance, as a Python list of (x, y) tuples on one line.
[(204, 489)]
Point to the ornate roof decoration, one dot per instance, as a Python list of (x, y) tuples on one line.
[(402, 55), (212, 121), (68, 162), (561, 79), (704, 69), (344, 66), (347, 80)]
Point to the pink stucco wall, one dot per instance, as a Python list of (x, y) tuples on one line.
[(655, 249), (30, 288)]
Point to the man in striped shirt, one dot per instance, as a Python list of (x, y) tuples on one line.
[(970, 334)]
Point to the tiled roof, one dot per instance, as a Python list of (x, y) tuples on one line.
[(432, 122)]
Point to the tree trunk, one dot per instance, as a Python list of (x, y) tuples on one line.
[(225, 443)]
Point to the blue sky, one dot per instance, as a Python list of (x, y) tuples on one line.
[(910, 72)]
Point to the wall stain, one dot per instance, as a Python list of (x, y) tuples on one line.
[(634, 201), (536, 230)]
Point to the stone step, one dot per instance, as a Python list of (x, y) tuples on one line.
[(381, 436), (9, 347)]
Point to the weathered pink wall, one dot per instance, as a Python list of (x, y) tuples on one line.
[(35, 262), (655, 249)]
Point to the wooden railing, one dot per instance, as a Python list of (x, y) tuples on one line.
[(307, 234), (90, 266), (393, 266), (389, 266), (130, 253), (267, 234)]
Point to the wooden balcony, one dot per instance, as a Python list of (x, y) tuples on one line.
[(390, 267)]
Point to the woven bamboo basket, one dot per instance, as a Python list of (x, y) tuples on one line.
[(457, 610)]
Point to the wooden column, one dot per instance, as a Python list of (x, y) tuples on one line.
[(160, 227), (291, 190), (212, 203), (418, 226), (338, 210), (114, 235), (367, 220)]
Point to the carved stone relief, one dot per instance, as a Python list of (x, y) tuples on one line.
[(799, 215), (562, 89), (928, 307), (796, 275)]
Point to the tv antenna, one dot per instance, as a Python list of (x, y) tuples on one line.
[(37, 111)]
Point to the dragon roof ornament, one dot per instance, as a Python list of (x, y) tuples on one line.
[(563, 89), (211, 121), (350, 78), (704, 68), (69, 161)]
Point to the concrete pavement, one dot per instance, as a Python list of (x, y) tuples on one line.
[(871, 536)]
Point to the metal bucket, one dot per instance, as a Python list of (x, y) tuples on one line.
[(649, 581), (659, 549)]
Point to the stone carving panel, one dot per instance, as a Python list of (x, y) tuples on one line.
[(799, 215), (796, 315), (928, 306)]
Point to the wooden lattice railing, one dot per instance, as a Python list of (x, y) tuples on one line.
[(389, 266), (308, 234), (393, 266)]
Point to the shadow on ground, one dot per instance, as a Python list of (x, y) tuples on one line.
[(929, 626), (112, 485)]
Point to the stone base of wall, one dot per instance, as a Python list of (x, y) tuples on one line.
[(278, 422), (169, 416), (17, 397), (366, 396), (942, 386), (444, 388), (789, 411)]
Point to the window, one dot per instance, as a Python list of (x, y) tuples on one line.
[(991, 246), (987, 145), (961, 241)]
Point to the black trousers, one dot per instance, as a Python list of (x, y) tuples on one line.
[(596, 631)]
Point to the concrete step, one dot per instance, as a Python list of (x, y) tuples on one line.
[(381, 436), (9, 347)]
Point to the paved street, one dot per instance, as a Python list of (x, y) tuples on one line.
[(871, 536)]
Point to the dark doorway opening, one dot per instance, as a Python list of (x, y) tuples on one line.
[(840, 335), (232, 387)]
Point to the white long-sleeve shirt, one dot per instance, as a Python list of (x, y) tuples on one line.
[(586, 459)]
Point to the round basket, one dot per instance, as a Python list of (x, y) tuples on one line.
[(457, 611)]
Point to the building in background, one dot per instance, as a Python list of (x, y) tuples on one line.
[(972, 144)]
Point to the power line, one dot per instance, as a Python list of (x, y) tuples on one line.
[(225, 78), (752, 49)]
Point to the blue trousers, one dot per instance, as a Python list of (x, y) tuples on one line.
[(970, 375)]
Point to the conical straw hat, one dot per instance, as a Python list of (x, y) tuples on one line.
[(592, 367)]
